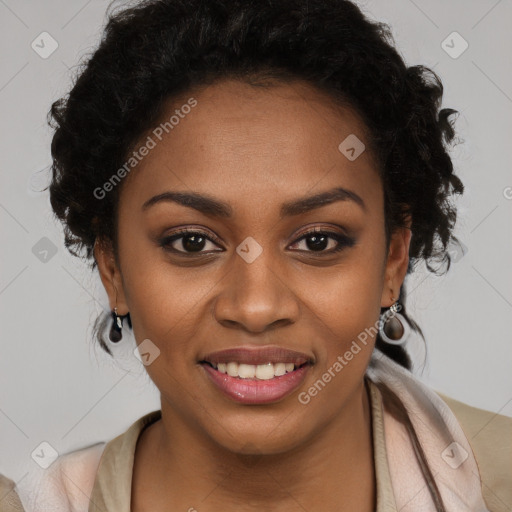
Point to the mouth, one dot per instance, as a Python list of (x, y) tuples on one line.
[(256, 375), (264, 371)]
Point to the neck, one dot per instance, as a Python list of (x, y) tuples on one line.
[(333, 470)]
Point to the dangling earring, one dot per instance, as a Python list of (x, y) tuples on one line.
[(393, 328), (116, 334)]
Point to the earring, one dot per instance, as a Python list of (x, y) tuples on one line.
[(116, 334), (393, 328)]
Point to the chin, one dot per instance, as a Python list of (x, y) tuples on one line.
[(264, 437)]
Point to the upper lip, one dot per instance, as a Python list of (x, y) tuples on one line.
[(258, 355)]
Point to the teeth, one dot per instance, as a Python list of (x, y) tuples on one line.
[(263, 371), (232, 369), (250, 371), (280, 369), (247, 371)]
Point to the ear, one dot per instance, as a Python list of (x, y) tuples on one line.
[(110, 275), (396, 264)]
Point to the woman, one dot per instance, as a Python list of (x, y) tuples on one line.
[(254, 181)]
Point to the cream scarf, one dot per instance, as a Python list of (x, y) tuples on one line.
[(447, 450), (68, 483)]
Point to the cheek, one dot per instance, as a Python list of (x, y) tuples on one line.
[(347, 326), (349, 293), (159, 295), (347, 309), (164, 302)]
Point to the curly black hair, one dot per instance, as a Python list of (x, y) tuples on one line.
[(155, 50)]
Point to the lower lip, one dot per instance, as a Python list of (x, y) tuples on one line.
[(257, 391)]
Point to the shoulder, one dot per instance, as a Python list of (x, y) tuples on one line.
[(490, 437), (9, 500), (69, 482), (66, 485), (75, 472)]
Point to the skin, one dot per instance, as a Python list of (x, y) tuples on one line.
[(255, 148)]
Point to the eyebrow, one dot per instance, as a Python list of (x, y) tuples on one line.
[(213, 207)]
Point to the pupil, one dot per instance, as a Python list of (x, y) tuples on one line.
[(193, 242), (318, 242)]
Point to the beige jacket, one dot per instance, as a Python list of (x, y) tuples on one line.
[(105, 470)]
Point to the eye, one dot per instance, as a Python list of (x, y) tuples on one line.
[(318, 239), (187, 241)]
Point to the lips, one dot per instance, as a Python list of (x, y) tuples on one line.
[(254, 391), (257, 356), (244, 374)]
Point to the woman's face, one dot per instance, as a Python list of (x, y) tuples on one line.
[(248, 277)]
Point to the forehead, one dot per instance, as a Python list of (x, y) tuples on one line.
[(255, 141)]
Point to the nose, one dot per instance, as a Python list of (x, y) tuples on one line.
[(256, 296)]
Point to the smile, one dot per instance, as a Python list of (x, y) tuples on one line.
[(265, 371), (251, 389)]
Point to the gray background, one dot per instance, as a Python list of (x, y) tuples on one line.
[(56, 386)]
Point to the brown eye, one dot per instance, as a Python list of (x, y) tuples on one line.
[(187, 242), (319, 241)]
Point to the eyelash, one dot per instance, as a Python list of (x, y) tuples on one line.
[(343, 241)]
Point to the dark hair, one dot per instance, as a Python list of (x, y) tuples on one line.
[(156, 49)]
